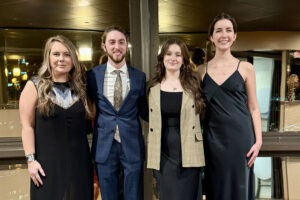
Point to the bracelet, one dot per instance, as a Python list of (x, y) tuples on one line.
[(30, 157)]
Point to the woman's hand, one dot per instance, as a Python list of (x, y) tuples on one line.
[(35, 170), (253, 153)]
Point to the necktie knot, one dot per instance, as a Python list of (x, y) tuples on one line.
[(117, 71)]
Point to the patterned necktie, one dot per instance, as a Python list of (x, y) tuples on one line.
[(118, 98)]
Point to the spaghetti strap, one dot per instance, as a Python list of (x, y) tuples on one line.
[(238, 65), (206, 67)]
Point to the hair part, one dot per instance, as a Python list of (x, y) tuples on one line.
[(189, 79), (220, 17), (76, 77)]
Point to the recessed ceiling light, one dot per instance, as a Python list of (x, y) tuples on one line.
[(84, 3)]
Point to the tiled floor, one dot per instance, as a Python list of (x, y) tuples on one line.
[(265, 191), (14, 184)]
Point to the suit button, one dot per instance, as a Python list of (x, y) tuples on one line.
[(193, 106), (151, 129), (193, 127), (151, 110)]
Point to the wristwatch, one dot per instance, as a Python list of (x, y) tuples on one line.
[(30, 157)]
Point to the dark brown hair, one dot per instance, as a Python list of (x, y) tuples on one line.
[(113, 28), (189, 79), (220, 17)]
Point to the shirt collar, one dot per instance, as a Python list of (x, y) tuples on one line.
[(110, 68)]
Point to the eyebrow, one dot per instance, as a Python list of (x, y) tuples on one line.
[(229, 27), (113, 40), (174, 52), (58, 51)]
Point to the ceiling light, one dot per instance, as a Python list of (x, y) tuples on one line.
[(84, 3), (14, 57), (85, 54)]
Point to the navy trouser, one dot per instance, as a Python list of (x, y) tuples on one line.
[(108, 173)]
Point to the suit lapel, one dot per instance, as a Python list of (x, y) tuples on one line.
[(155, 91), (100, 82), (101, 74), (185, 98)]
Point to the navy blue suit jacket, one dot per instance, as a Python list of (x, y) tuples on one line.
[(127, 118)]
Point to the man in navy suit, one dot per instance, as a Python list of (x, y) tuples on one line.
[(118, 91)]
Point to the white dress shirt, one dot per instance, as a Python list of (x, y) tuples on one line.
[(110, 79)]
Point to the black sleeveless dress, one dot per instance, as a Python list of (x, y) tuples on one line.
[(174, 181), (228, 136), (62, 149)]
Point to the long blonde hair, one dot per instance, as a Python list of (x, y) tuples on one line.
[(76, 77)]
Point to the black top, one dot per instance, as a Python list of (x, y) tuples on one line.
[(170, 104), (62, 149), (170, 111)]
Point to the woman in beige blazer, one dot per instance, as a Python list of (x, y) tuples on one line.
[(175, 147)]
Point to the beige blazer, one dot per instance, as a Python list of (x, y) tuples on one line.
[(191, 137)]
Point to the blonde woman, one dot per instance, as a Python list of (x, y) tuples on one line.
[(53, 108)]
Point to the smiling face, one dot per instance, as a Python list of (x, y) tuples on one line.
[(223, 34), (173, 58), (115, 46), (60, 59)]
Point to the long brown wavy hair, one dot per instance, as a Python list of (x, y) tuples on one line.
[(76, 77), (189, 79)]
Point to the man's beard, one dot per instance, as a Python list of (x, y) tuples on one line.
[(117, 61)]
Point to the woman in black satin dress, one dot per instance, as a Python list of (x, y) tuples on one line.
[(232, 128), (175, 147)]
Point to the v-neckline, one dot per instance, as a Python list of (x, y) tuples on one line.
[(219, 85)]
